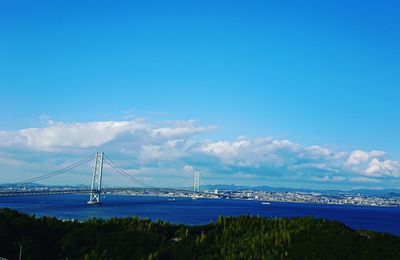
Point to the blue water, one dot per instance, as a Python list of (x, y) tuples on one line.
[(202, 211)]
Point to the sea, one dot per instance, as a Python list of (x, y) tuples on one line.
[(200, 211)]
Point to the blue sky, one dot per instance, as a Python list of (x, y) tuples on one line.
[(218, 73)]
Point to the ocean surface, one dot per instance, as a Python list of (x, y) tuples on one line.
[(200, 211)]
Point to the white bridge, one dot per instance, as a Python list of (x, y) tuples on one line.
[(96, 185)]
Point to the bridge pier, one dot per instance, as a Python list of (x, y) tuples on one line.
[(96, 180), (196, 183)]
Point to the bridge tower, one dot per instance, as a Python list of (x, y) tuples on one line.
[(97, 177), (196, 184)]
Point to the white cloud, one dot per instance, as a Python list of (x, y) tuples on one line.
[(383, 168), (94, 134), (358, 156), (188, 168), (252, 153), (327, 178), (363, 180), (150, 152), (170, 145), (7, 160), (268, 151), (182, 129), (284, 155), (243, 175), (74, 135), (317, 151), (372, 164)]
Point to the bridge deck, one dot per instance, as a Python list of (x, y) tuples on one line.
[(9, 193)]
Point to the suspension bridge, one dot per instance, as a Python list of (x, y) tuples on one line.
[(96, 188)]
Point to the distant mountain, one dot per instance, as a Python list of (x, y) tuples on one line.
[(36, 185), (393, 194), (383, 192), (29, 184)]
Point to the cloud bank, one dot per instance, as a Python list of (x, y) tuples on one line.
[(156, 149)]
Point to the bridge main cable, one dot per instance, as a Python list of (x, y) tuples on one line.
[(57, 172), (121, 171)]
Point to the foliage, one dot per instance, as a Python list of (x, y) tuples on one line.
[(243, 237)]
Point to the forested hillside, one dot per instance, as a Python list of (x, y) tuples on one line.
[(242, 237)]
